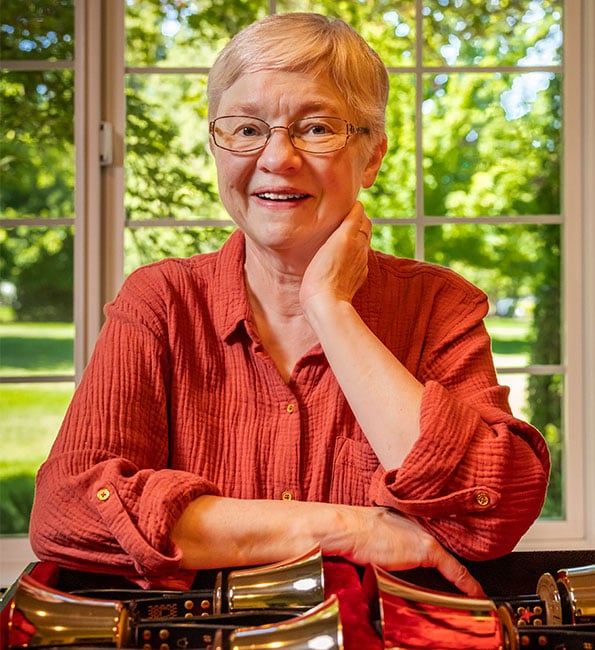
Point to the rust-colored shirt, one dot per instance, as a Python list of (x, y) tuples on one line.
[(180, 399)]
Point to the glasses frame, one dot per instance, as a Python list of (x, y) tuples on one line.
[(350, 130)]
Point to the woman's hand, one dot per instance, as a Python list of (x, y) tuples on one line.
[(340, 266), (370, 535)]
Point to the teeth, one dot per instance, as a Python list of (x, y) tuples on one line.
[(274, 196)]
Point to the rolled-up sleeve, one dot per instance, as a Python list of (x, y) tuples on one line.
[(106, 499), (476, 478)]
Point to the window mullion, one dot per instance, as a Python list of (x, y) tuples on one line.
[(419, 153), (87, 253), (113, 107)]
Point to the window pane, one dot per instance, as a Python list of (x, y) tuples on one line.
[(389, 27), (37, 273), (37, 144), (146, 245), (545, 398), (394, 240), (484, 33), (538, 398), (393, 193), (169, 33), (491, 144), (37, 30), (34, 348), (510, 334), (170, 171), (31, 415), (516, 265)]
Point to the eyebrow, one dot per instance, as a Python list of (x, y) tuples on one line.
[(311, 107)]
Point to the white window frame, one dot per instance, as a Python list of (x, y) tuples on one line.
[(100, 222), (578, 208)]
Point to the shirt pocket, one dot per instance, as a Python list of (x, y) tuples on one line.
[(354, 464)]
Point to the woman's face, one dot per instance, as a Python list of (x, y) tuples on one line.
[(282, 198)]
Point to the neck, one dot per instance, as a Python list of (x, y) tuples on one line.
[(273, 291), (273, 280)]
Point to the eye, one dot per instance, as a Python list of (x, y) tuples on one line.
[(319, 129), (316, 127), (250, 129)]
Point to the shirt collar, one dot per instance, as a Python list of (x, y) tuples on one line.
[(231, 308)]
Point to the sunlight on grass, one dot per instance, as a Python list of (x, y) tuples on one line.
[(510, 341), (31, 416), (36, 349), (510, 349)]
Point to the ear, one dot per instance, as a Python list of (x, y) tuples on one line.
[(374, 162)]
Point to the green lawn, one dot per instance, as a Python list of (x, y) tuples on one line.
[(30, 413), (510, 340), (36, 349)]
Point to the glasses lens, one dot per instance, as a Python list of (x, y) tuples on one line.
[(240, 133), (319, 134)]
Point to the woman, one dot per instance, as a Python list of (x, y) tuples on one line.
[(295, 387)]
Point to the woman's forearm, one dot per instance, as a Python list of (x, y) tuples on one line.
[(383, 395), (218, 532)]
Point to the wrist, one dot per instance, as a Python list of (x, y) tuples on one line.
[(326, 309), (336, 529)]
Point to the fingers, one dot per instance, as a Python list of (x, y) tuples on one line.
[(426, 551), (458, 574), (358, 221)]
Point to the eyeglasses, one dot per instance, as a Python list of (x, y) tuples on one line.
[(318, 134)]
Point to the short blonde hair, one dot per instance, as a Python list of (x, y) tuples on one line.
[(307, 42)]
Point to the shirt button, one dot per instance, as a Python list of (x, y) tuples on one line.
[(290, 408), (103, 494), (286, 495), (482, 499)]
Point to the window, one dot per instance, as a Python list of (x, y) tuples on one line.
[(36, 246), (491, 145)]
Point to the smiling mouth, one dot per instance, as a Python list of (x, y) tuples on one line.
[(278, 196)]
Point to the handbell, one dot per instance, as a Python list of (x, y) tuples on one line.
[(409, 617), (42, 616), (317, 629), (294, 584), (570, 597)]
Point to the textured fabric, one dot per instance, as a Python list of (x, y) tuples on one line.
[(180, 399)]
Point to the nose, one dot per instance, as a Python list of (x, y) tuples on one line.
[(279, 154), (273, 128)]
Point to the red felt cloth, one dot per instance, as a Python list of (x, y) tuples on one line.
[(341, 578)]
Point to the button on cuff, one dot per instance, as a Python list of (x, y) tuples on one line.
[(482, 499), (103, 494)]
